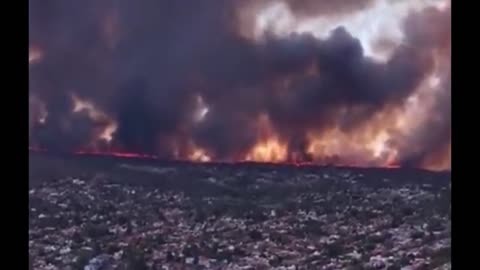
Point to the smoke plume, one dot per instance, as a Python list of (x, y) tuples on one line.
[(180, 79)]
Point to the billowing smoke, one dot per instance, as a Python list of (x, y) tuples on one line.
[(326, 7), (181, 79)]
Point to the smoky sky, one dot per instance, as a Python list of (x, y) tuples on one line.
[(145, 63), (326, 7)]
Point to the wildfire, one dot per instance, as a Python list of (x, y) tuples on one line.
[(37, 109), (107, 133), (353, 99), (269, 147), (369, 144), (271, 150), (116, 154), (375, 143), (110, 126), (80, 105), (34, 55), (199, 154)]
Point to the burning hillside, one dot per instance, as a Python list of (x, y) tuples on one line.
[(363, 83)]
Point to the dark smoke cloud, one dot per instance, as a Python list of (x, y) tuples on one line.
[(435, 136), (147, 72), (314, 8), (430, 33), (346, 78), (74, 130), (327, 7)]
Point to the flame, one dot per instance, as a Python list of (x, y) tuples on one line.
[(375, 143), (110, 126), (199, 154), (369, 144), (116, 154), (35, 55), (108, 132), (80, 105), (38, 109), (271, 150)]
